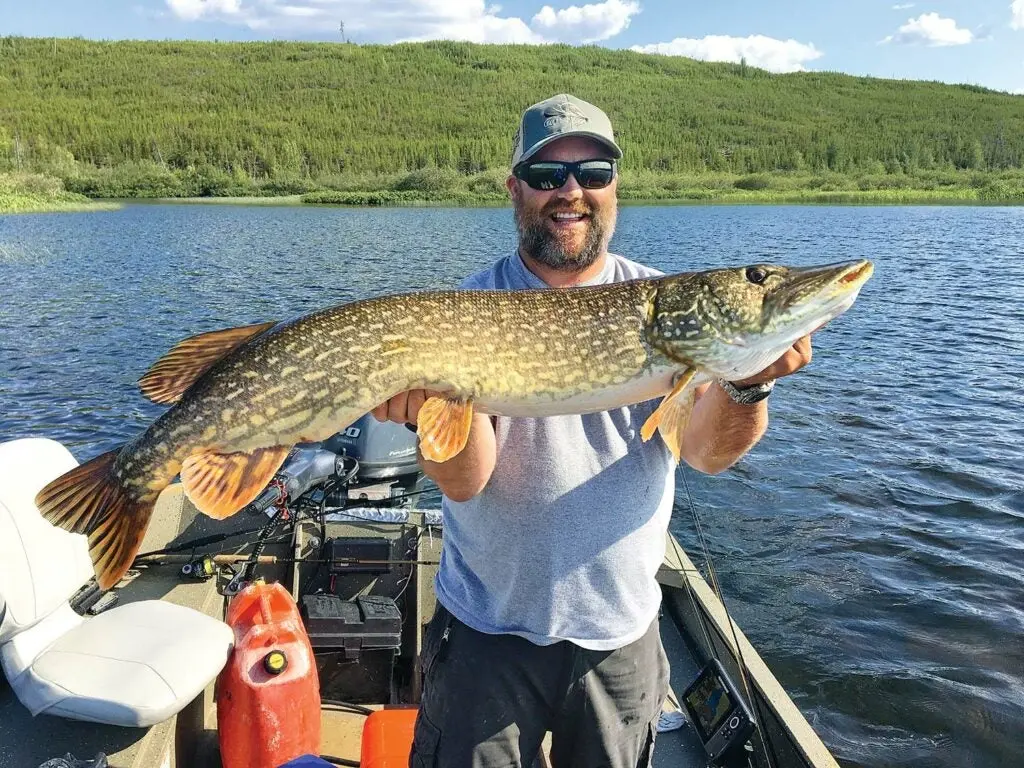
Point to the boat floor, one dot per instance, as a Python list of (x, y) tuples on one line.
[(26, 742)]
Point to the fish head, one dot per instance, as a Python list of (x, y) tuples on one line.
[(734, 323)]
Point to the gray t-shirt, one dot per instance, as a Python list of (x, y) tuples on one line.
[(565, 540)]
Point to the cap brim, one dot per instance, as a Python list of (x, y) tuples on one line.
[(616, 152)]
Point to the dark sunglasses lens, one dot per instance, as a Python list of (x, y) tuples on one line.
[(596, 174), (546, 175)]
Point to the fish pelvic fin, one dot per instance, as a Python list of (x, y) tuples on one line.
[(91, 500), (220, 484), (672, 414), (170, 376), (443, 426)]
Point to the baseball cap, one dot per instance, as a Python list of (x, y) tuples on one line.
[(557, 117)]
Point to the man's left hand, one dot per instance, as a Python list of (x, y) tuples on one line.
[(795, 358)]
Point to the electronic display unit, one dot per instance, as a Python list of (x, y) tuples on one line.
[(718, 713)]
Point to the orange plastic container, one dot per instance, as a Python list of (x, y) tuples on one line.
[(387, 739), (268, 695)]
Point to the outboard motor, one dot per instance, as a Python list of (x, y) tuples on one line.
[(388, 471), (375, 461), (383, 449)]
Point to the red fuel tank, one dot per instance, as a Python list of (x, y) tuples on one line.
[(387, 738), (268, 695)]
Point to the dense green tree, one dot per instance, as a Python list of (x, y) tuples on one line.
[(213, 116)]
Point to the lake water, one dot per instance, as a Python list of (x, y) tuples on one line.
[(871, 545)]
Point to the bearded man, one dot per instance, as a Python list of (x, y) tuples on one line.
[(554, 528)]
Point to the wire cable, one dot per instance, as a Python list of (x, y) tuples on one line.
[(340, 761), (349, 706)]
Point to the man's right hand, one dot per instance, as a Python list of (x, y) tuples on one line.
[(463, 476)]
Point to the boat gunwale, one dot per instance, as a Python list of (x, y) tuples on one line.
[(681, 581)]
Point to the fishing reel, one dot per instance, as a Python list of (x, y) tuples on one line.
[(200, 569)]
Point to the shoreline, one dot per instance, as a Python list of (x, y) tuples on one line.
[(72, 203), (436, 187), (810, 197), (22, 204)]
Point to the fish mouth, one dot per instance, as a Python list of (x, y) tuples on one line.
[(856, 275), (817, 295), (822, 286), (841, 294)]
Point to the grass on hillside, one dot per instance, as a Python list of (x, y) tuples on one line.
[(35, 193)]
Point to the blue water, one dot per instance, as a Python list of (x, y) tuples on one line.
[(870, 546)]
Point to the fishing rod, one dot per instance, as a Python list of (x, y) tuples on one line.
[(230, 559), (302, 506), (768, 749)]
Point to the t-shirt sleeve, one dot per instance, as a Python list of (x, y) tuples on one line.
[(480, 281), (630, 270)]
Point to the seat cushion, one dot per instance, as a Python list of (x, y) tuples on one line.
[(134, 665), (41, 565)]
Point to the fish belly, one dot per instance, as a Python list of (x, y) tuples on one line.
[(653, 384)]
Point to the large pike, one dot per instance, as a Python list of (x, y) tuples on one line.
[(244, 396)]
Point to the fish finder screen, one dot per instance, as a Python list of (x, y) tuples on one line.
[(709, 701)]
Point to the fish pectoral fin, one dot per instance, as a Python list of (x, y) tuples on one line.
[(170, 376), (220, 484), (673, 414), (443, 426)]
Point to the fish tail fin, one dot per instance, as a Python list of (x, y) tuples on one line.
[(90, 499)]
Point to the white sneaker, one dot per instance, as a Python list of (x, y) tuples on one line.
[(670, 721)]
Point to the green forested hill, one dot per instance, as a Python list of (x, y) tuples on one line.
[(323, 111)]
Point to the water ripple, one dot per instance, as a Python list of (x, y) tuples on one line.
[(870, 546)]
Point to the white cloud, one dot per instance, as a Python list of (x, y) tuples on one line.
[(190, 10), (406, 20), (1017, 17), (758, 50), (902, 6), (464, 20), (933, 30), (586, 23)]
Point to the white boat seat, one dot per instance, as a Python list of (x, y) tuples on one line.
[(133, 665)]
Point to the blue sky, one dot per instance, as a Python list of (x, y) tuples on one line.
[(980, 42)]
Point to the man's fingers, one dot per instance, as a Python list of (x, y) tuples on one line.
[(417, 398), (398, 408), (803, 349), (796, 357), (404, 408)]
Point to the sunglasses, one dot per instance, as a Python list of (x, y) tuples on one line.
[(552, 174)]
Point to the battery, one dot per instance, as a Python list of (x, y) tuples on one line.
[(356, 644), (370, 622)]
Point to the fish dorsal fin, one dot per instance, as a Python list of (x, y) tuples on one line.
[(166, 381), (443, 426), (220, 484), (672, 414)]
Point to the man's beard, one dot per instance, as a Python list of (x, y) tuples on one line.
[(538, 241)]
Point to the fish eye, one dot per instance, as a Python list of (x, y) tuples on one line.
[(757, 275)]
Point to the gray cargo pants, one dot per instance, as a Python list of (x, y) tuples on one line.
[(489, 699)]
